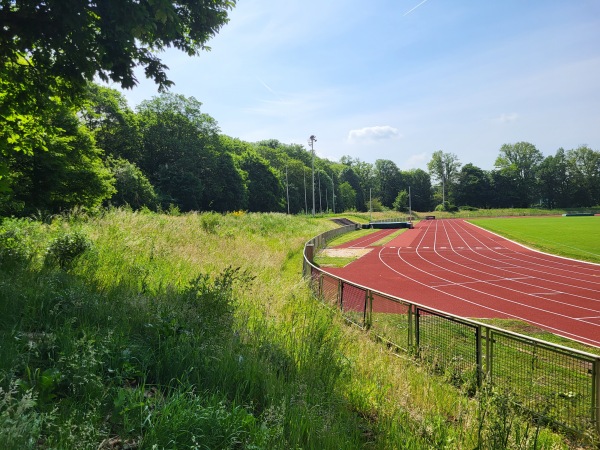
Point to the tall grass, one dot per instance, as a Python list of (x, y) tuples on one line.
[(196, 331)]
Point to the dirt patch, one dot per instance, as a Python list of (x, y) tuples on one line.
[(345, 252)]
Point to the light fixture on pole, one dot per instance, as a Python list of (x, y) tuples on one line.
[(311, 141)]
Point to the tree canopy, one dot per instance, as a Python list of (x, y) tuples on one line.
[(50, 50), (76, 40)]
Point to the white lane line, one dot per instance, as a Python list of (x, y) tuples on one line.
[(491, 281), (533, 322), (552, 279)]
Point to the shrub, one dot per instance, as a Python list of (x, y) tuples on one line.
[(210, 222), (446, 206), (65, 249), (133, 187), (12, 247), (376, 205)]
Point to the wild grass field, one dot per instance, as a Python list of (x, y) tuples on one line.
[(150, 331)]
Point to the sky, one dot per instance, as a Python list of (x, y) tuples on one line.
[(400, 79)]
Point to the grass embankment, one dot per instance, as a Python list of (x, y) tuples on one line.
[(196, 331)]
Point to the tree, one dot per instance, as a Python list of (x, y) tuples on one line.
[(473, 187), (69, 173), (419, 183), (292, 164), (366, 177), (115, 126), (584, 169), (555, 185), (503, 184), (50, 50), (401, 201), (444, 168), (389, 181), (183, 159), (347, 198), (225, 189), (519, 162), (265, 191), (25, 114), (132, 186), (348, 175), (77, 40)]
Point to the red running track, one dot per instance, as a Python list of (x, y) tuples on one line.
[(456, 267)]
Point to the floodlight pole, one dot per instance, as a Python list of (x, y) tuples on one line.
[(409, 206), (333, 191), (370, 206), (305, 202), (287, 189), (311, 142), (320, 203)]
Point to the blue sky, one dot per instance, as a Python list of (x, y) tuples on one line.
[(401, 79)]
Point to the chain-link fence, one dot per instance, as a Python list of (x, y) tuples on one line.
[(548, 381)]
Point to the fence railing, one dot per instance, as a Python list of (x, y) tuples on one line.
[(556, 383)]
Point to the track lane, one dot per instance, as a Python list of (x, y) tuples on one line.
[(459, 268), (518, 281)]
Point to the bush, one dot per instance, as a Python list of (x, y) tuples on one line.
[(65, 249), (13, 249), (376, 205), (133, 187), (446, 206)]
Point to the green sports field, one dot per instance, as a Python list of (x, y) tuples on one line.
[(573, 237)]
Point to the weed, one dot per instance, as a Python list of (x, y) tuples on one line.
[(20, 424), (210, 222), (64, 250)]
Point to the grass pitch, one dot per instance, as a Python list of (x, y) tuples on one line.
[(572, 237)]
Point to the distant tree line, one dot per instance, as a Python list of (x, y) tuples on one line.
[(522, 177), (168, 153)]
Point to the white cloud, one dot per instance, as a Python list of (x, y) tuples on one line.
[(377, 133), (415, 161), (507, 118)]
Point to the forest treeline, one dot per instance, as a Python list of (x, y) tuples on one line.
[(167, 153)]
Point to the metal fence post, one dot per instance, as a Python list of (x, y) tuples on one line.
[(490, 356), (596, 394), (417, 336), (478, 356), (340, 295), (410, 327), (488, 353), (321, 285), (368, 315)]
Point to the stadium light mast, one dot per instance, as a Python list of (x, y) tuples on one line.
[(333, 190), (287, 189), (409, 206), (311, 141), (305, 201)]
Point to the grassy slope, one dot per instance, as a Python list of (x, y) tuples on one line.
[(180, 331)]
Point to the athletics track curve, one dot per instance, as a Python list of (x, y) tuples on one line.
[(453, 266)]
